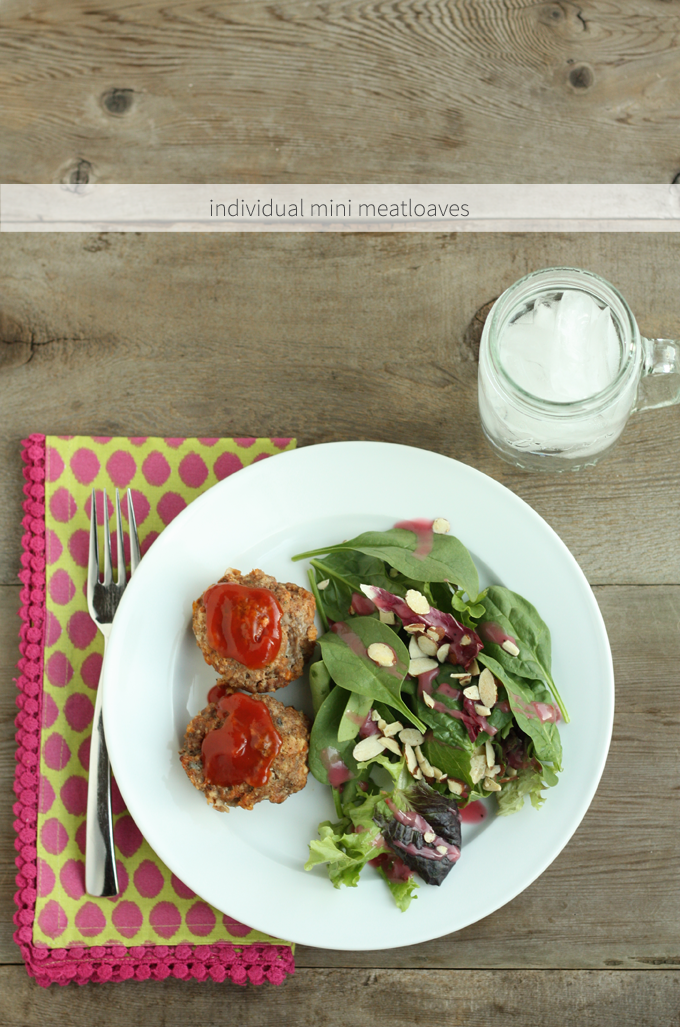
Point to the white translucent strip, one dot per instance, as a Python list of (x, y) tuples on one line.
[(341, 208)]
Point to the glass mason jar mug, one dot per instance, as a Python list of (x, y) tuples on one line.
[(562, 366)]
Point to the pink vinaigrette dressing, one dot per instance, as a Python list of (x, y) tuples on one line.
[(474, 812), (422, 530)]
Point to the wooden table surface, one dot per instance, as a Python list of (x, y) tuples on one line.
[(351, 337)]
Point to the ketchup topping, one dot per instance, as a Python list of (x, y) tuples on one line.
[(243, 623), (244, 748)]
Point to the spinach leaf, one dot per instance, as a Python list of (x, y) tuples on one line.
[(354, 715), (519, 618), (448, 559), (323, 741), (453, 761), (527, 699), (319, 684), (353, 670), (346, 572)]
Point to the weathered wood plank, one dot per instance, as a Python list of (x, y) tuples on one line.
[(611, 899), (392, 998), (333, 337), (412, 91)]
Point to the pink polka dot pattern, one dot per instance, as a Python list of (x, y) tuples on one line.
[(261, 456), (91, 669), (140, 504), (148, 879), (103, 439), (121, 467), (79, 710), (181, 888), (85, 465), (169, 506), (62, 589), (193, 471), (53, 836), (158, 908), (156, 469), (79, 547), (280, 443), (84, 753), (72, 878), (50, 711), (82, 630), (117, 801), (46, 878), (137, 440), (54, 465), (200, 919), (127, 835), (56, 752), (52, 919), (74, 796), (226, 464), (59, 669), (245, 443), (127, 918), (53, 547), (62, 506), (90, 920), (165, 918), (235, 927), (52, 629)]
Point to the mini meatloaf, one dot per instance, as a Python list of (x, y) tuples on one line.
[(287, 773), (298, 635)]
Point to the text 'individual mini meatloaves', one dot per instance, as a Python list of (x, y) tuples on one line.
[(254, 630), (246, 748)]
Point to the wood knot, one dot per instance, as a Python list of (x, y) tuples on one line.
[(15, 342), (117, 101), (676, 180), (473, 332), (581, 77), (80, 173)]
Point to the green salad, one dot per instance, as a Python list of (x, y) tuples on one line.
[(429, 695)]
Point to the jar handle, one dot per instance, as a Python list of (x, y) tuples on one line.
[(660, 381)]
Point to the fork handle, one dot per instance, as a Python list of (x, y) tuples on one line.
[(101, 878)]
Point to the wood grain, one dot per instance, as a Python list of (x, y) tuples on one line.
[(325, 338), (385, 998), (611, 899), (340, 91)]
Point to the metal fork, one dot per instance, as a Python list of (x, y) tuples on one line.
[(103, 596)]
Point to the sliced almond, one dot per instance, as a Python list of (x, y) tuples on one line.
[(438, 774), (414, 650), (478, 768), (491, 785), (465, 639), (429, 836), (454, 786), (427, 645), (375, 715), (493, 771), (392, 729), (443, 849), (443, 651), (510, 647), (418, 774), (411, 736), (441, 526), (428, 700), (321, 585), (392, 744), (417, 602), (421, 666), (386, 616), (382, 654), (471, 692), (488, 692), (474, 668), (460, 674), (414, 629), (369, 747), (411, 761), (511, 772), (382, 724), (483, 711), (489, 753), (436, 634)]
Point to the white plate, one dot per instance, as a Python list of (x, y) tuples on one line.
[(250, 863)]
